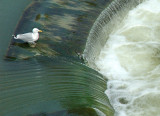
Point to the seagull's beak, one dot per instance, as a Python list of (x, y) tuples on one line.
[(40, 31)]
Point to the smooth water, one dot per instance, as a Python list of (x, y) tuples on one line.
[(9, 15), (50, 79), (130, 56)]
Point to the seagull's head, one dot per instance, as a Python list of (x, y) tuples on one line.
[(35, 30)]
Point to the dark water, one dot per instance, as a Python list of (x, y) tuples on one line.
[(51, 79)]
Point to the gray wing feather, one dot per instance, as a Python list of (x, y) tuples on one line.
[(27, 37)]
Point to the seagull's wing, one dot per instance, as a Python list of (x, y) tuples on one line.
[(27, 37)]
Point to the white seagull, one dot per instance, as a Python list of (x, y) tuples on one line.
[(29, 37)]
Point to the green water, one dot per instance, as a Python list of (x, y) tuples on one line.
[(50, 79), (10, 13), (38, 86)]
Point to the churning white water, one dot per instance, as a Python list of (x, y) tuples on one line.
[(130, 60)]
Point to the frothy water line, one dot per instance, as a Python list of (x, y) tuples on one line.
[(130, 58)]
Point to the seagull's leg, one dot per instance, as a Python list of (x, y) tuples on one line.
[(32, 44)]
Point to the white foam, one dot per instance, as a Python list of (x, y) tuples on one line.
[(131, 61)]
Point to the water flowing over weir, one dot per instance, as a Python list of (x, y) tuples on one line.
[(124, 46), (52, 87), (103, 26)]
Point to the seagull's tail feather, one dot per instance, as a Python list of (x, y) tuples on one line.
[(14, 37)]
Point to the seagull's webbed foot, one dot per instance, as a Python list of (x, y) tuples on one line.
[(32, 44)]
